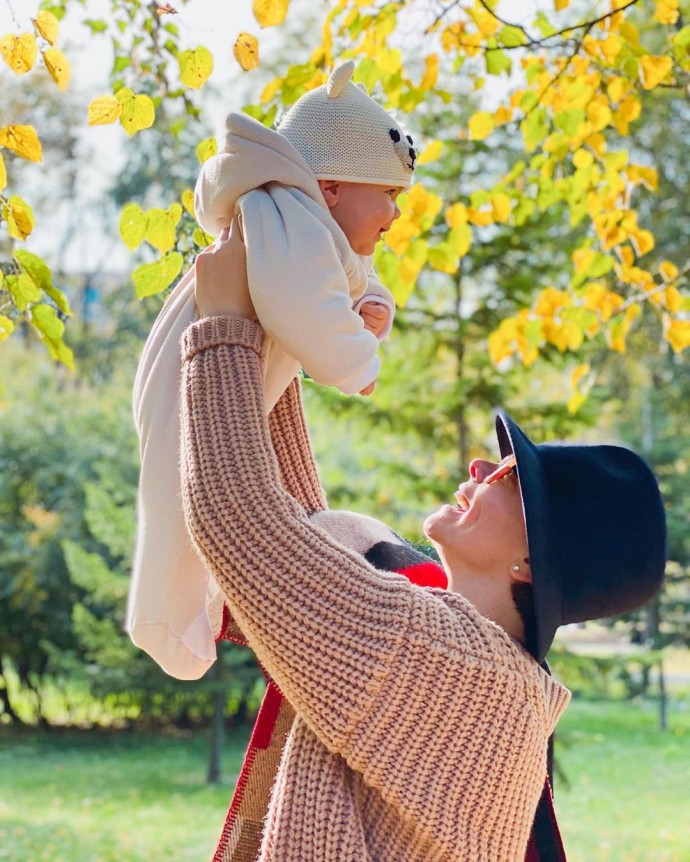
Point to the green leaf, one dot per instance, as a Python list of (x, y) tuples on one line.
[(153, 278), (497, 62), (121, 63), (534, 129), (96, 25), (569, 121), (528, 100), (39, 271), (49, 326), (511, 36), (544, 26), (23, 290)]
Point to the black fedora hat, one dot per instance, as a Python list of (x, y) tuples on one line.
[(596, 529)]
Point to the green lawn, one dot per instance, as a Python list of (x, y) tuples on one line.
[(97, 797), (629, 799)]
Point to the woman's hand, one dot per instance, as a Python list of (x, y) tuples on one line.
[(221, 277)]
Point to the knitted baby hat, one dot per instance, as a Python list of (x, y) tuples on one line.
[(343, 134)]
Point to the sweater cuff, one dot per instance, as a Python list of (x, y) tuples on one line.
[(213, 331)]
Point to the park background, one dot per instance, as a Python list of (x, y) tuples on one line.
[(540, 264)]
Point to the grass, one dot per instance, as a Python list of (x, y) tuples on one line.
[(629, 784), (128, 797), (99, 797)]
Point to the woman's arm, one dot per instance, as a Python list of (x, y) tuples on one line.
[(325, 624)]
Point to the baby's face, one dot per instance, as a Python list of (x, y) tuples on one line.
[(363, 211)]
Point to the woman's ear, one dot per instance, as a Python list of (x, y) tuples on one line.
[(521, 571), (330, 189)]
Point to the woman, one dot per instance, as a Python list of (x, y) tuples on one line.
[(422, 715)]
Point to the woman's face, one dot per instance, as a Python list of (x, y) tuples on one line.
[(485, 532)]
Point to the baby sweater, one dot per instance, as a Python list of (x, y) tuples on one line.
[(421, 727), (306, 284)]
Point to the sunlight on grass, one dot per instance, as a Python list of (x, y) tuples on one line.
[(127, 797)]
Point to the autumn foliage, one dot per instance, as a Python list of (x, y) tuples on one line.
[(576, 82)]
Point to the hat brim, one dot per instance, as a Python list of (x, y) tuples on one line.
[(546, 584)]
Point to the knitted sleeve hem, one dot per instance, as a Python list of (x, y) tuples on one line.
[(212, 331)]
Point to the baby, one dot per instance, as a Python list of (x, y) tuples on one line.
[(313, 199)]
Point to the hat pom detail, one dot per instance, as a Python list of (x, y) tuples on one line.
[(338, 78)]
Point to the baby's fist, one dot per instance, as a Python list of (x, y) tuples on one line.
[(375, 316)]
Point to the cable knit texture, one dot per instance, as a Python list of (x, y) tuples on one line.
[(421, 727)]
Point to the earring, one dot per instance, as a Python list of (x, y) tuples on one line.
[(515, 567)]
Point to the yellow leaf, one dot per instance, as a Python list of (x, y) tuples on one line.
[(578, 373), (481, 125), (206, 148), (643, 240), (456, 216), (599, 115), (132, 226), (649, 177), (19, 217), (246, 51), (576, 400), (430, 78), (104, 110), (561, 4), (616, 88), (668, 270), (6, 327), (667, 11), (502, 114), (160, 227), (269, 13), (673, 299), (3, 173), (501, 206), (678, 334), (19, 52), (58, 67), (481, 218), (195, 66), (23, 141), (47, 25), (187, 198), (430, 153), (137, 111), (152, 278), (583, 159), (611, 46), (460, 239), (270, 91), (654, 70)]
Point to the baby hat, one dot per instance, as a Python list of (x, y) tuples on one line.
[(343, 134)]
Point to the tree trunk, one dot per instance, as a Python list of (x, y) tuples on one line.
[(217, 721)]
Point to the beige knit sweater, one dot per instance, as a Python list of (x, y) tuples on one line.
[(421, 726)]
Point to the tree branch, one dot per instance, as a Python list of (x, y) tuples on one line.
[(531, 41), (660, 288)]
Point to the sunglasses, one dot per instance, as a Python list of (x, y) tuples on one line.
[(507, 467)]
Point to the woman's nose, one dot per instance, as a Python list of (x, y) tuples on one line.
[(480, 469)]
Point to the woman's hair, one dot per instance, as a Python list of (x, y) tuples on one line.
[(523, 597)]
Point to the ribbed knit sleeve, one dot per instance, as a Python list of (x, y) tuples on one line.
[(323, 623), (292, 446)]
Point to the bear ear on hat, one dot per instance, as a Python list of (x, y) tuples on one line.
[(339, 78)]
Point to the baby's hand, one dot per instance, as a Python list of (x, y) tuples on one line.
[(374, 315)]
